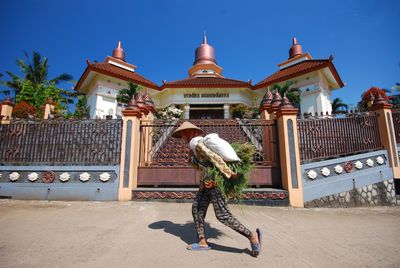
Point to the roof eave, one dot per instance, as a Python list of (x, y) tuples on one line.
[(205, 86), (98, 70), (82, 78), (336, 75), (287, 77)]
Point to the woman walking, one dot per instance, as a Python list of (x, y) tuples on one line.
[(204, 158)]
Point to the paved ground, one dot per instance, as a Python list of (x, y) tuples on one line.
[(112, 234)]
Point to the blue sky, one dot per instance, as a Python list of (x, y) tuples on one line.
[(250, 37)]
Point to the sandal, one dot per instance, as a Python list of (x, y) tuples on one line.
[(198, 247), (256, 248)]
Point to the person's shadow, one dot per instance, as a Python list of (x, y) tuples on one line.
[(186, 232)]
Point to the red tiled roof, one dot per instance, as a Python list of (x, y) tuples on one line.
[(117, 72), (299, 69), (206, 82)]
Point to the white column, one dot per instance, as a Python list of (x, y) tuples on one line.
[(186, 111), (226, 111)]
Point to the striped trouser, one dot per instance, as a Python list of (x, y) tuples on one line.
[(199, 211)]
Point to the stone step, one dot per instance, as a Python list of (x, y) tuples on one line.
[(252, 196)]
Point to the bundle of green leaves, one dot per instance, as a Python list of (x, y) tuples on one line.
[(233, 188)]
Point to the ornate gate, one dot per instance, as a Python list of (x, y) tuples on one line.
[(165, 160)]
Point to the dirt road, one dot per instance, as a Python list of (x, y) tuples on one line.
[(132, 234)]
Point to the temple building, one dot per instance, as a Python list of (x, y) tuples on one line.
[(206, 93)]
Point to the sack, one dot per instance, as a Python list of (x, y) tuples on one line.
[(220, 147), (193, 142)]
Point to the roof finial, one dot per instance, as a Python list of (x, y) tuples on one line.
[(118, 52), (204, 53), (295, 50)]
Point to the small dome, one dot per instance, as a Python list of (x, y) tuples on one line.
[(118, 52), (295, 50), (204, 53)]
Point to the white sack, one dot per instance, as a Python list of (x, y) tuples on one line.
[(194, 141), (220, 147)]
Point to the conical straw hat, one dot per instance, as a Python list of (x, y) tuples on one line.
[(184, 127)]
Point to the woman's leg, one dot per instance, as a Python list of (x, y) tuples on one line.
[(199, 211), (225, 216)]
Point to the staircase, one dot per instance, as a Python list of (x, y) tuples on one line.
[(172, 150), (260, 197)]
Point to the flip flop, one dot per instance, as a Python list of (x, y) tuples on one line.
[(197, 247), (256, 248)]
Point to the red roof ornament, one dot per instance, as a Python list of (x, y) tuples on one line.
[(149, 103), (286, 108), (266, 101), (118, 52), (204, 53), (276, 102), (132, 109), (295, 50), (8, 102), (140, 103), (380, 103)]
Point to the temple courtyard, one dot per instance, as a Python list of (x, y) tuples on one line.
[(152, 234)]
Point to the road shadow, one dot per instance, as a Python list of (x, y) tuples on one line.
[(186, 232)]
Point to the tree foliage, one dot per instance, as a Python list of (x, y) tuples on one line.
[(24, 110), (81, 108), (35, 70), (38, 96), (34, 86), (126, 94), (366, 95), (338, 106), (292, 93), (242, 111)]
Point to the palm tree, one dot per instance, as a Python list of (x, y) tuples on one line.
[(34, 70), (34, 86), (126, 94), (338, 106), (292, 93)]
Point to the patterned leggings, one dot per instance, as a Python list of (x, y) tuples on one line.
[(199, 211)]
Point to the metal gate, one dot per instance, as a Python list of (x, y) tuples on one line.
[(165, 161)]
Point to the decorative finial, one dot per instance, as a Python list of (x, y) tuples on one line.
[(118, 52), (204, 53), (149, 103), (379, 99), (276, 101), (266, 101), (285, 104), (7, 101), (205, 38), (295, 50), (140, 102)]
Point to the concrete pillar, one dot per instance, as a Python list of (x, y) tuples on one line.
[(387, 133), (49, 108), (227, 114), (289, 153), (6, 111), (129, 151), (186, 111)]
